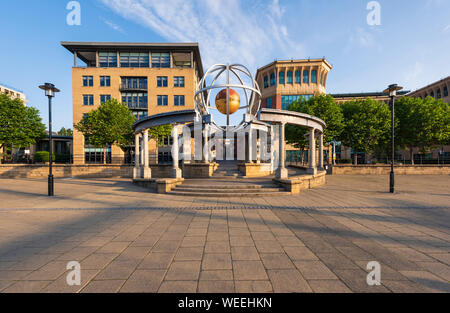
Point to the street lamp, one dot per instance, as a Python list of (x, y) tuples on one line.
[(392, 91), (50, 91)]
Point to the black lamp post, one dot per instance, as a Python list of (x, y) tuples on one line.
[(50, 91), (392, 91)]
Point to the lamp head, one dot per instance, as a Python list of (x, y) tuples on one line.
[(50, 89), (392, 90)]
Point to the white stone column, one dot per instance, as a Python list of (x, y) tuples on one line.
[(250, 145), (147, 173), (312, 153), (136, 169), (282, 172), (258, 149), (206, 147), (321, 151), (176, 171)]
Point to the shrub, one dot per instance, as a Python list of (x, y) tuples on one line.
[(345, 161), (42, 156)]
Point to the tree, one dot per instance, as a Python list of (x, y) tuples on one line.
[(65, 132), (324, 107), (422, 123), (110, 124), (20, 125), (367, 125)]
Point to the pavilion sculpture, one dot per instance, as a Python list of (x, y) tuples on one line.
[(260, 136)]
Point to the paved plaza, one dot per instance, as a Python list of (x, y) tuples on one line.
[(128, 239)]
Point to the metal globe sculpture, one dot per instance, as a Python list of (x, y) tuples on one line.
[(228, 101), (234, 102)]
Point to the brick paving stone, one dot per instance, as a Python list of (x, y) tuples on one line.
[(262, 235), (117, 270), (189, 254), (276, 261), (24, 286), (337, 261), (244, 253), (249, 270), (103, 286), (194, 241), (436, 268), (50, 271), (97, 260), (183, 270), (268, 246), (314, 270), (241, 241), (156, 260), (428, 280), (216, 286), (144, 281), (216, 261), (256, 286), (178, 287), (217, 247), (328, 286), (168, 246), (113, 247), (356, 280), (216, 275), (287, 281), (289, 241), (60, 285), (217, 236), (300, 253), (404, 286)]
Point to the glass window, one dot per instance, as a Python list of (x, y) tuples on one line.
[(287, 100), (432, 94), (88, 81), (134, 59), (135, 100), (178, 100), (269, 103), (438, 94), (297, 77), (266, 81), (178, 81), (104, 98), (281, 78), (88, 99), (134, 82), (445, 91), (161, 60), (107, 59), (163, 100), (161, 81), (272, 79), (289, 77), (105, 81), (305, 77), (314, 77)]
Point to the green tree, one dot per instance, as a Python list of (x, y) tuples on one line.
[(324, 107), (367, 124), (65, 132), (110, 124), (422, 123), (20, 125)]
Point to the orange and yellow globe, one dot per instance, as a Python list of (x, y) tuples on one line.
[(221, 101)]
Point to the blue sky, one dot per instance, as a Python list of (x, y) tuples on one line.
[(410, 47)]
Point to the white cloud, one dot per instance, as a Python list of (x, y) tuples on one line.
[(113, 26), (414, 76), (227, 31), (446, 29)]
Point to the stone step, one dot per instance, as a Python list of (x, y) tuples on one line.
[(229, 190), (228, 195), (220, 187)]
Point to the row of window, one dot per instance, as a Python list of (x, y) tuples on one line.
[(134, 59), (288, 78), (438, 93), (134, 82), (138, 100)]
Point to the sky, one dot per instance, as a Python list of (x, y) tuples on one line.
[(410, 46)]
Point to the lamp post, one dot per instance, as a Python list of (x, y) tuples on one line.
[(50, 91), (392, 91)]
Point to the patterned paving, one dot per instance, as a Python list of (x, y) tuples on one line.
[(130, 240)]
